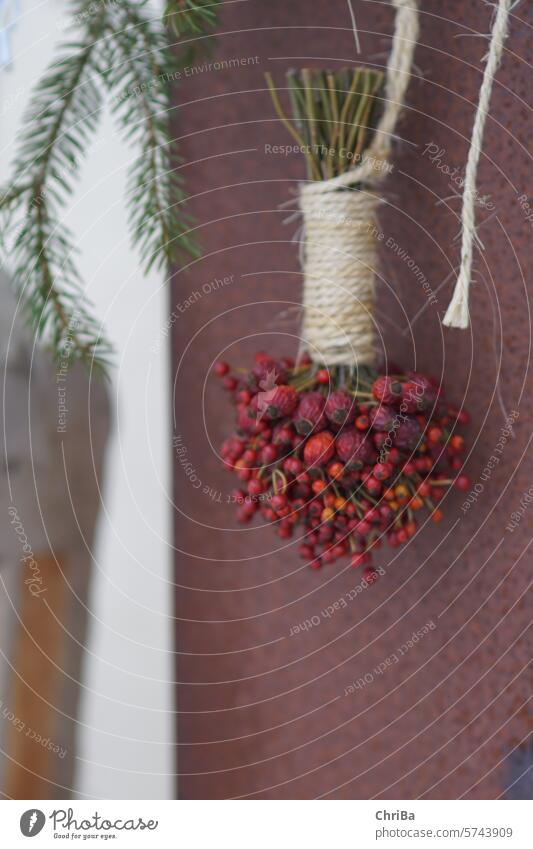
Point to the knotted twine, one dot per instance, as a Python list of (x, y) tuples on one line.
[(457, 314), (339, 223), (340, 256)]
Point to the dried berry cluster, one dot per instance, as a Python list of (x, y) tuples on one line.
[(348, 458)]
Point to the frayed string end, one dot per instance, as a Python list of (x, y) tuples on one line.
[(457, 314)]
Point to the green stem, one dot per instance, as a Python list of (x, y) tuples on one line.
[(287, 124), (332, 112)]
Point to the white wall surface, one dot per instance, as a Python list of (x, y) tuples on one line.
[(127, 720)]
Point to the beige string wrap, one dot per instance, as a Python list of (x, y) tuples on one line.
[(340, 266), (339, 225)]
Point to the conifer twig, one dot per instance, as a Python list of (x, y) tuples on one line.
[(118, 48)]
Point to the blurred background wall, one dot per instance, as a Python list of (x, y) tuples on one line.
[(125, 724), (266, 712)]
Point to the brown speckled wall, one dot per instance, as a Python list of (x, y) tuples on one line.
[(264, 714)]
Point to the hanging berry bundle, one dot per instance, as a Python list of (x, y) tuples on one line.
[(340, 461), (326, 447)]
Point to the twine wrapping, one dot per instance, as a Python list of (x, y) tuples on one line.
[(340, 256), (340, 266)]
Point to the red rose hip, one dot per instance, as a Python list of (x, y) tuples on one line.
[(319, 449)]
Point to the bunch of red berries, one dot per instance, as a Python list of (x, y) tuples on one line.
[(348, 457)]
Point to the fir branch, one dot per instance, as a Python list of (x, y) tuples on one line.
[(155, 195), (61, 117), (191, 17), (121, 47)]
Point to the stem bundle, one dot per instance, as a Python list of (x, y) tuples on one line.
[(334, 115)]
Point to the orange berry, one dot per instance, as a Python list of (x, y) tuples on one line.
[(327, 514), (434, 434), (335, 470), (410, 529), (401, 492)]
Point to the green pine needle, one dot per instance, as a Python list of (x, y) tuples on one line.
[(117, 48), (191, 17)]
